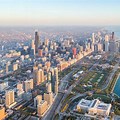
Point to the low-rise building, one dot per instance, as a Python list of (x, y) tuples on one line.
[(94, 107)]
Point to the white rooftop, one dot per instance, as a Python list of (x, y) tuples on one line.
[(86, 103)]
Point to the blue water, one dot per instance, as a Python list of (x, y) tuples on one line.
[(117, 87), (115, 29)]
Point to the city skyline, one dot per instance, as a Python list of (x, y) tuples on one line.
[(59, 12)]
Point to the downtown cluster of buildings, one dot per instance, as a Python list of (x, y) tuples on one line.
[(111, 44), (108, 44), (47, 59)]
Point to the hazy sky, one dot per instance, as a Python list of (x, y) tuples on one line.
[(59, 12)]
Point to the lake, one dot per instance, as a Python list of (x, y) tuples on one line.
[(117, 87)]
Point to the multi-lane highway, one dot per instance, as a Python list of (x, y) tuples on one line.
[(50, 114)]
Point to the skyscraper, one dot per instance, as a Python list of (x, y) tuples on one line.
[(106, 43), (113, 35), (54, 79), (74, 52), (56, 74), (32, 47), (37, 41), (32, 44), (93, 38), (113, 46), (35, 69), (39, 76)]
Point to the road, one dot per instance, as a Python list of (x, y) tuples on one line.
[(61, 95), (64, 81)]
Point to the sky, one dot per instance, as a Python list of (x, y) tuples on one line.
[(59, 12)]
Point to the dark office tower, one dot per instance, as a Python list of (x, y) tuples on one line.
[(113, 36), (37, 42)]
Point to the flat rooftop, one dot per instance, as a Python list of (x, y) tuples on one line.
[(94, 104), (86, 103), (103, 106)]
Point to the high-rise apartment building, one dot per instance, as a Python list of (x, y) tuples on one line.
[(9, 98), (37, 100), (42, 107), (48, 97), (28, 85), (20, 86)]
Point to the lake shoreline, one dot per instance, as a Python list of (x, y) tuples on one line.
[(118, 78)]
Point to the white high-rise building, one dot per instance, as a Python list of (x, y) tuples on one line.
[(33, 47), (32, 44), (106, 43), (39, 76)]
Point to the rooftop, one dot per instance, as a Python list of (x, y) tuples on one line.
[(94, 104), (103, 106), (86, 103)]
